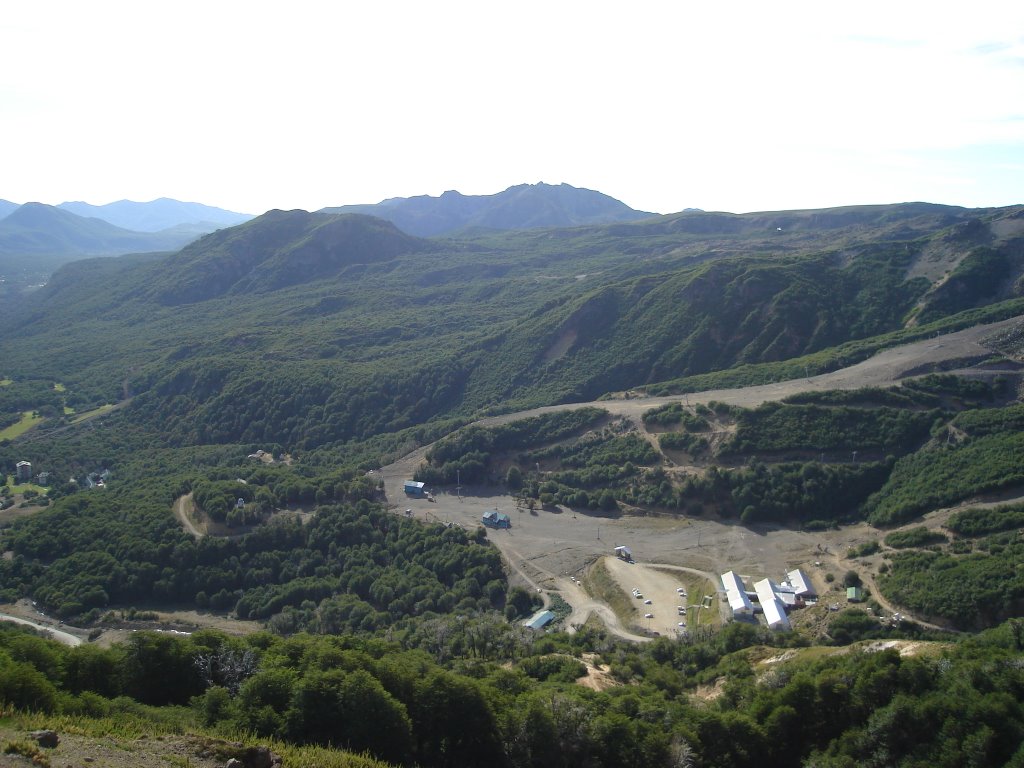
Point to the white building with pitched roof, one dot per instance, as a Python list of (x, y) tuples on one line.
[(800, 583), (771, 605), (736, 593)]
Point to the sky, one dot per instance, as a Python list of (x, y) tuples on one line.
[(663, 105)]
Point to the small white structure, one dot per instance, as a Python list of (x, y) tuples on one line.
[(736, 594), (771, 605), (624, 553), (800, 583)]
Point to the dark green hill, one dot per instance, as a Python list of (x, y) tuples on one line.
[(526, 206), (277, 250)]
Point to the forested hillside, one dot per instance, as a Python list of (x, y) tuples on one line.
[(250, 382), (305, 328), (473, 693)]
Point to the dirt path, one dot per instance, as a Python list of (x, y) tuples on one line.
[(182, 510), (584, 606)]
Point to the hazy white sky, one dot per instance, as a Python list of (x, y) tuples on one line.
[(663, 105)]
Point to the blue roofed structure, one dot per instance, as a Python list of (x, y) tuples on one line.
[(496, 519), (539, 620)]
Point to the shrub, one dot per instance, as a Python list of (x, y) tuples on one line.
[(915, 537)]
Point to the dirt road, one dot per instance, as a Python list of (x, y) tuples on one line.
[(57, 634), (884, 369), (182, 510)]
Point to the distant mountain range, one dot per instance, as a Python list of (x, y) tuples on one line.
[(526, 206), (7, 207), (35, 238), (158, 215), (38, 229)]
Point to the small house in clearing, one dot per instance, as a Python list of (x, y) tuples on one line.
[(496, 519), (539, 620), (624, 553), (412, 488)]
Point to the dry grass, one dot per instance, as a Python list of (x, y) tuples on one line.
[(600, 584)]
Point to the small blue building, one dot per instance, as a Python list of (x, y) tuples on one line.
[(496, 519), (412, 488), (539, 620)]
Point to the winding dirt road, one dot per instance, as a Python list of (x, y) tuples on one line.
[(60, 635), (182, 508)]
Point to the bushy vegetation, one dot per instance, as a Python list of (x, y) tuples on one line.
[(779, 427), (474, 694), (467, 453), (984, 521), (682, 441), (970, 591), (895, 397), (927, 392), (915, 537), (940, 476), (991, 420), (360, 567), (676, 413)]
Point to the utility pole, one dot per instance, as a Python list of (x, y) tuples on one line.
[(458, 483)]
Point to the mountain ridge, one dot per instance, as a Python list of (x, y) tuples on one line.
[(158, 215), (523, 206), (37, 228)]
